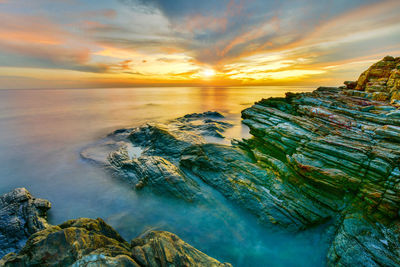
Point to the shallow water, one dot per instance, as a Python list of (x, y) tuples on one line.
[(43, 131)]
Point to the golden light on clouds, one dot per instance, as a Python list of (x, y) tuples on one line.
[(210, 43), (208, 73)]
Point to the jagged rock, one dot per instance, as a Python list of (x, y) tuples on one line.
[(99, 260), (343, 151), (169, 140), (158, 175), (382, 79), (21, 215), (333, 153), (360, 242), (329, 142), (156, 168), (159, 248), (254, 185), (88, 242), (350, 84)]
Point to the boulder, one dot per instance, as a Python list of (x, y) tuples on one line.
[(382, 77), (89, 242), (159, 248), (21, 215), (330, 154), (350, 84)]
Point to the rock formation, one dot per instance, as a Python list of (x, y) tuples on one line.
[(330, 155), (156, 168), (381, 80), (83, 242), (21, 215), (342, 155)]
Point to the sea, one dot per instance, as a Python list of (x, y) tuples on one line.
[(42, 133)]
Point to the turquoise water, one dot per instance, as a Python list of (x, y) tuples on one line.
[(43, 131)]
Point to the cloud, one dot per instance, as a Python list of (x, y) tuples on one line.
[(252, 41)]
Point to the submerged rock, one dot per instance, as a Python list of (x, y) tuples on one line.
[(161, 176), (86, 242), (333, 153), (21, 215), (340, 150), (156, 168), (260, 190), (89, 242)]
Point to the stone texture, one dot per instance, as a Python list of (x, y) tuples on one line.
[(329, 142), (343, 151), (156, 169), (254, 186), (160, 176), (330, 154), (21, 215), (89, 242), (359, 242), (382, 79), (350, 84), (158, 248)]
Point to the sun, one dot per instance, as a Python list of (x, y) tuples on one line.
[(208, 73)]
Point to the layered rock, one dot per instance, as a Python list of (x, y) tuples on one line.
[(253, 186), (89, 242), (158, 248), (330, 154), (362, 242), (156, 167), (83, 242), (21, 215), (343, 152), (381, 80)]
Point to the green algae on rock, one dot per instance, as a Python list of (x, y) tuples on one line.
[(89, 242), (342, 156), (330, 154)]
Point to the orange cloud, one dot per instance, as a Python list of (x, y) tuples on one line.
[(29, 29), (97, 50)]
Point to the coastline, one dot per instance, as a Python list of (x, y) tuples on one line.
[(329, 155)]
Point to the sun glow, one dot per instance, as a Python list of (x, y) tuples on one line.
[(208, 73)]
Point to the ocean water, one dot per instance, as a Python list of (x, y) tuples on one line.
[(43, 131)]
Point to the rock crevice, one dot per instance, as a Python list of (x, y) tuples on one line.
[(330, 154), (84, 242)]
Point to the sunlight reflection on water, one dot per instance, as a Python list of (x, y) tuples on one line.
[(42, 132)]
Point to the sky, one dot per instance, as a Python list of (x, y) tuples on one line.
[(126, 43)]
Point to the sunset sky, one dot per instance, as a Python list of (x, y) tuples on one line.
[(122, 43)]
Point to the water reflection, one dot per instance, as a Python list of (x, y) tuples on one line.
[(42, 132)]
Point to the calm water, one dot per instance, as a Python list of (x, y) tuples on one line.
[(43, 131)]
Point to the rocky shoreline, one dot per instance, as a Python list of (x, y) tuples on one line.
[(30, 241), (332, 155)]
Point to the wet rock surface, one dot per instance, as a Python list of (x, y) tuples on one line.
[(158, 248), (21, 215), (342, 156), (84, 242), (332, 154), (148, 157), (89, 242), (361, 242)]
